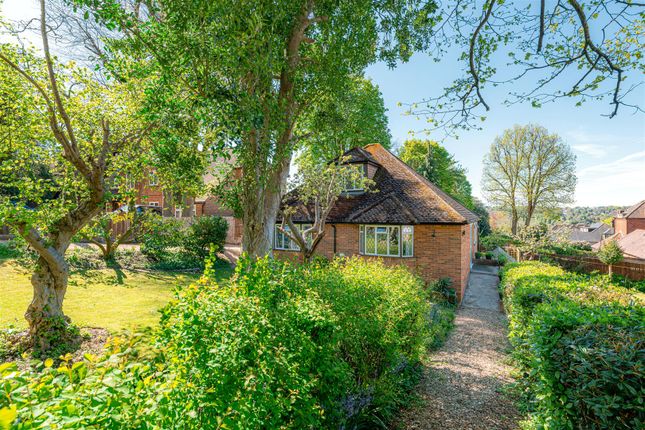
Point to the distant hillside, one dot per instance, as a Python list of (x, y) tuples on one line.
[(588, 215)]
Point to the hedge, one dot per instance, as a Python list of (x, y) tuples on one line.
[(579, 342), (327, 345)]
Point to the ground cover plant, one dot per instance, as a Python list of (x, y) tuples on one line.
[(324, 345), (579, 341)]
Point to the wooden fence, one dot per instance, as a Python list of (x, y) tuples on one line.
[(630, 268)]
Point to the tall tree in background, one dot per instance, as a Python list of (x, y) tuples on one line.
[(354, 117), (436, 164), (528, 169), (247, 70), (88, 134)]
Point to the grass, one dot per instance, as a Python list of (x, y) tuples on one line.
[(112, 299)]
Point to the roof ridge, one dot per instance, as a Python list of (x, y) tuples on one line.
[(633, 209), (433, 187)]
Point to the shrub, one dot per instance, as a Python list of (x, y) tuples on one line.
[(610, 254), (494, 240), (204, 232), (333, 345), (578, 340), (159, 235)]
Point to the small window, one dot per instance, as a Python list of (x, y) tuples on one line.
[(178, 212), (355, 184), (155, 204), (284, 242), (386, 240), (153, 180)]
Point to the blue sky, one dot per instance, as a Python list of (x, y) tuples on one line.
[(610, 152)]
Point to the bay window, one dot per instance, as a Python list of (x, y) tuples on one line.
[(386, 240)]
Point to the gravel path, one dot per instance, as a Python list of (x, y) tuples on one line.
[(461, 388)]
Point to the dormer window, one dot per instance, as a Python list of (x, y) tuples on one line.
[(354, 184)]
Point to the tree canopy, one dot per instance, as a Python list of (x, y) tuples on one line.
[(528, 169)]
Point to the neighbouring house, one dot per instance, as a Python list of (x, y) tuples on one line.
[(629, 231), (584, 234), (407, 220)]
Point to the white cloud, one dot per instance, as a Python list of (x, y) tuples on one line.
[(618, 182), (593, 150)]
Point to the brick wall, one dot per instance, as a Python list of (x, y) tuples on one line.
[(439, 251), (625, 226)]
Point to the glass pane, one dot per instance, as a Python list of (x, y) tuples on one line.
[(370, 240), (381, 229), (394, 241), (381, 243), (361, 239), (407, 237)]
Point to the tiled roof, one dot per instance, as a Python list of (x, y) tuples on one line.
[(402, 197), (594, 236), (633, 244), (629, 211)]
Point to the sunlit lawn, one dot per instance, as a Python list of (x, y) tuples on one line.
[(98, 298)]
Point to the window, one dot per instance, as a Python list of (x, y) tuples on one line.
[(155, 204), (284, 242), (356, 183), (178, 212), (386, 240), (153, 180)]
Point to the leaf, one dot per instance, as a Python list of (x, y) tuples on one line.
[(7, 416)]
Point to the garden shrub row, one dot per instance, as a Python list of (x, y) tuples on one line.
[(579, 341), (327, 345)]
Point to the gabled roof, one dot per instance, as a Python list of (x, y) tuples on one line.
[(633, 244), (402, 196), (630, 212), (594, 236)]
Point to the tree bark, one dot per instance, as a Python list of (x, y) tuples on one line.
[(514, 221), (45, 312)]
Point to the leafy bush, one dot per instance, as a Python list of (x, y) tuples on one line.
[(494, 240), (204, 232), (579, 341), (333, 345), (159, 235), (9, 250)]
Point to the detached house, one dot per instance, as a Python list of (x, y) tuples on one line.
[(407, 220)]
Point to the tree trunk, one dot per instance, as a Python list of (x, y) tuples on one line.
[(610, 270), (514, 221), (45, 312)]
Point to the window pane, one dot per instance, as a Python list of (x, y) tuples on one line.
[(407, 238), (370, 240), (361, 239), (394, 241), (381, 243)]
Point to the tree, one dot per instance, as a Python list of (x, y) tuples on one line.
[(316, 188), (437, 165), (88, 134), (526, 169), (100, 231), (247, 70), (586, 51), (483, 224), (610, 254), (354, 117)]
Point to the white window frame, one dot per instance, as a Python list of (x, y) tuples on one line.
[(155, 204), (362, 239), (153, 181), (353, 188), (293, 246)]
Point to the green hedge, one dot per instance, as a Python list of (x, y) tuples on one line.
[(580, 343), (328, 345)]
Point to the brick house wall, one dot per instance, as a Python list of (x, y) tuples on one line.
[(440, 250), (624, 226)]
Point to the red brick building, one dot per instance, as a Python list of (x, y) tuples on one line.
[(629, 232), (631, 219), (408, 220)]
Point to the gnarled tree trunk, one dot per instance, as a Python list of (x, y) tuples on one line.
[(45, 312)]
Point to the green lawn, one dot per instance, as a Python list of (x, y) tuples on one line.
[(98, 298)]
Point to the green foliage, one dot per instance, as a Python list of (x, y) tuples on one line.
[(483, 224), (610, 253), (325, 345), (341, 121), (494, 240), (9, 250), (579, 342), (159, 235), (204, 232), (436, 164)]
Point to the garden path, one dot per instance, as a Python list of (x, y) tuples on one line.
[(463, 382)]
